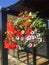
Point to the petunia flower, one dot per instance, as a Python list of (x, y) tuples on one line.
[(10, 28), (22, 32), (22, 38), (10, 45), (30, 45), (38, 34), (32, 37), (28, 38), (18, 32), (9, 36), (34, 45), (28, 30), (6, 45), (32, 32), (40, 39), (17, 37)]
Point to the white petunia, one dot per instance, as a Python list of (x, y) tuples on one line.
[(28, 38), (22, 38), (40, 39), (38, 34), (35, 30), (32, 37), (30, 45), (32, 32), (34, 44), (22, 32), (17, 37)]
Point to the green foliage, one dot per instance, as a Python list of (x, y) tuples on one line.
[(20, 43)]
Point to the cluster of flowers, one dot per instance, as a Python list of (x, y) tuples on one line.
[(17, 36)]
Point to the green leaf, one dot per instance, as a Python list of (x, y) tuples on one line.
[(29, 20), (25, 27), (44, 25), (33, 15), (30, 13), (20, 42), (21, 26)]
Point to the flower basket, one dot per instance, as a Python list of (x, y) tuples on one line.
[(25, 32)]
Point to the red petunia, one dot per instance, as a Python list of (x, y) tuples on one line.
[(10, 28), (9, 36), (28, 30), (18, 32), (6, 45), (10, 45)]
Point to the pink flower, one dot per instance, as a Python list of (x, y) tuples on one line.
[(38, 34), (40, 39), (28, 38), (34, 44), (22, 32), (32, 37), (30, 45), (32, 32), (17, 37)]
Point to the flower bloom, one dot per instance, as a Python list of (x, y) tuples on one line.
[(17, 37), (27, 32), (40, 39), (9, 36), (22, 38), (28, 38), (10, 28), (32, 37), (6, 45), (34, 44), (18, 32), (30, 45), (22, 32), (9, 45), (32, 32), (38, 34), (12, 45)]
